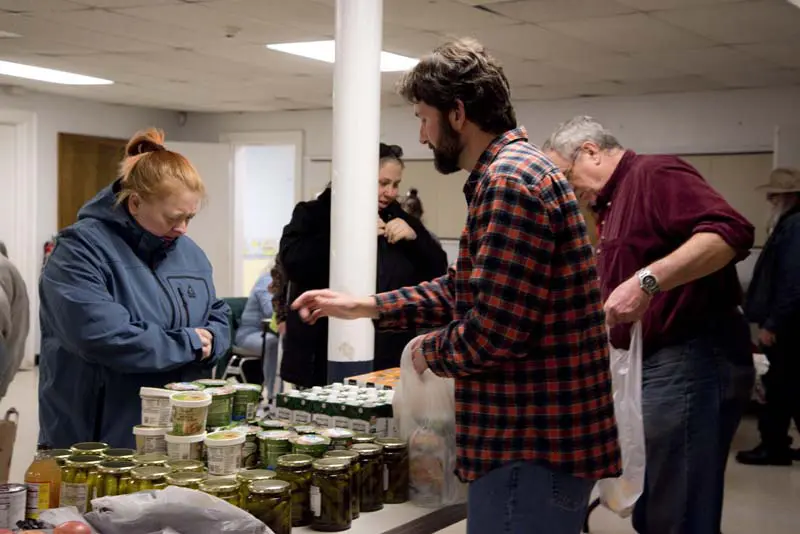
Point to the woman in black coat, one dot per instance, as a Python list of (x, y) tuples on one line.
[(407, 255)]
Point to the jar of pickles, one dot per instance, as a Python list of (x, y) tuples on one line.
[(395, 470), (186, 466), (186, 479), (89, 447), (363, 438), (119, 454), (225, 488), (274, 443), (270, 502), (331, 503), (247, 477), (250, 451), (341, 438), (113, 478), (371, 460), (296, 469), (60, 456), (150, 477), (78, 478), (355, 477), (153, 459)]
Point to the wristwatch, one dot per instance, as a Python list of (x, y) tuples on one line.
[(648, 282)]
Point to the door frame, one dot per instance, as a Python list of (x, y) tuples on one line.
[(28, 249), (264, 138)]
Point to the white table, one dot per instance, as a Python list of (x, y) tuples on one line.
[(402, 519)]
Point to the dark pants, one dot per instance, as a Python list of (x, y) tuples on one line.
[(782, 393), (526, 498), (693, 397)]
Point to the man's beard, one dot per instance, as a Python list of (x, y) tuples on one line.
[(448, 151), (779, 209)]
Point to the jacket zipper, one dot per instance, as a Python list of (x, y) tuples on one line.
[(169, 298), (185, 306)]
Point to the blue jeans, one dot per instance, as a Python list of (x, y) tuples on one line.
[(693, 397), (527, 498), (252, 342)]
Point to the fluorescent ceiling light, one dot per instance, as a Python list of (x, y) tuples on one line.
[(41, 74), (326, 51)]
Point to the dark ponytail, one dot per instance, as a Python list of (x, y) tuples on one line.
[(391, 153), (412, 204)]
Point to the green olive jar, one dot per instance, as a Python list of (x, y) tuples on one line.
[(78, 478), (331, 503), (395, 467), (363, 438), (371, 460), (152, 477), (248, 476), (113, 478), (225, 488), (296, 469), (270, 502), (119, 454), (60, 456), (92, 448), (185, 466), (186, 479), (355, 477), (152, 459)]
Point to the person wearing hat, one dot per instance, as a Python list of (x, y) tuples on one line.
[(773, 303)]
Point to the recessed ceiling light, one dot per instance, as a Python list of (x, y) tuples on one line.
[(41, 74), (326, 51)]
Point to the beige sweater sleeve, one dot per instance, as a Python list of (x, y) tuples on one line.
[(14, 322)]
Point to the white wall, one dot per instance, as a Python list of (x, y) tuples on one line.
[(712, 122)]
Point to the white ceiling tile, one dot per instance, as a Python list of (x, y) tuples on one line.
[(782, 54), (775, 77), (662, 5), (677, 84), (315, 17), (738, 23), (629, 33), (549, 11), (528, 41), (619, 68), (521, 73), (411, 43), (113, 4), (38, 6), (558, 92), (439, 15), (704, 60)]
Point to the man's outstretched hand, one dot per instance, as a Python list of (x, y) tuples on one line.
[(312, 305)]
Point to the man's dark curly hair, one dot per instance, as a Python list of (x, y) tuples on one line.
[(463, 70)]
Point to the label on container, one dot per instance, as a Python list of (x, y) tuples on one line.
[(316, 501), (252, 408), (385, 477), (360, 426), (322, 419), (300, 417), (38, 499), (224, 461), (284, 413), (153, 444), (76, 495), (12, 504), (156, 412), (341, 421)]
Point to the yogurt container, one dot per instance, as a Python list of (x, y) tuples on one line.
[(245, 401), (272, 445), (250, 451), (220, 413), (225, 452), (211, 382), (313, 445), (156, 410), (184, 386), (189, 412), (184, 447)]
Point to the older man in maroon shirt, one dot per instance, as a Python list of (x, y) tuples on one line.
[(666, 257)]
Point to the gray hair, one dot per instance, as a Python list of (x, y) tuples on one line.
[(570, 135)]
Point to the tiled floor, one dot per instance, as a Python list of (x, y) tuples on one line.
[(759, 500)]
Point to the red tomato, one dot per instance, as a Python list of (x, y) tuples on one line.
[(73, 527)]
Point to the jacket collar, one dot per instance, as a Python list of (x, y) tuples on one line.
[(607, 193), (489, 155)]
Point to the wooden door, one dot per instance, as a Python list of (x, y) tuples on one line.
[(86, 164)]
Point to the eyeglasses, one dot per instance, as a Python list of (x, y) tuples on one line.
[(575, 155)]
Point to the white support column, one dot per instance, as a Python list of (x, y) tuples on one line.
[(356, 136)]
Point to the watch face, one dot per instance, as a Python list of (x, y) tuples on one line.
[(649, 283)]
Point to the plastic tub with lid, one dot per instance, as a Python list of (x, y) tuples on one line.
[(156, 410), (225, 452), (185, 447), (150, 439), (189, 412)]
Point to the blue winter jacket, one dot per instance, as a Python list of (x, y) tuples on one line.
[(119, 308)]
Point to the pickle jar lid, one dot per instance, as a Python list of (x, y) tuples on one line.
[(350, 456), (84, 460), (269, 487), (306, 429), (252, 475), (211, 382), (367, 449), (275, 436), (89, 447), (221, 392), (151, 458), (120, 453), (116, 467), (273, 424), (331, 464), (295, 460), (185, 478), (59, 455), (363, 438), (219, 485), (311, 440), (391, 444), (337, 433), (177, 466), (149, 472)]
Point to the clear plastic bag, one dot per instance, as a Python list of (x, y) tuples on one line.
[(424, 412), (173, 510), (620, 494)]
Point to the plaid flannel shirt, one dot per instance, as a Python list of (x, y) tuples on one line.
[(524, 334)]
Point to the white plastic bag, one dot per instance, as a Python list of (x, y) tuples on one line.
[(620, 494), (171, 510), (424, 412)]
